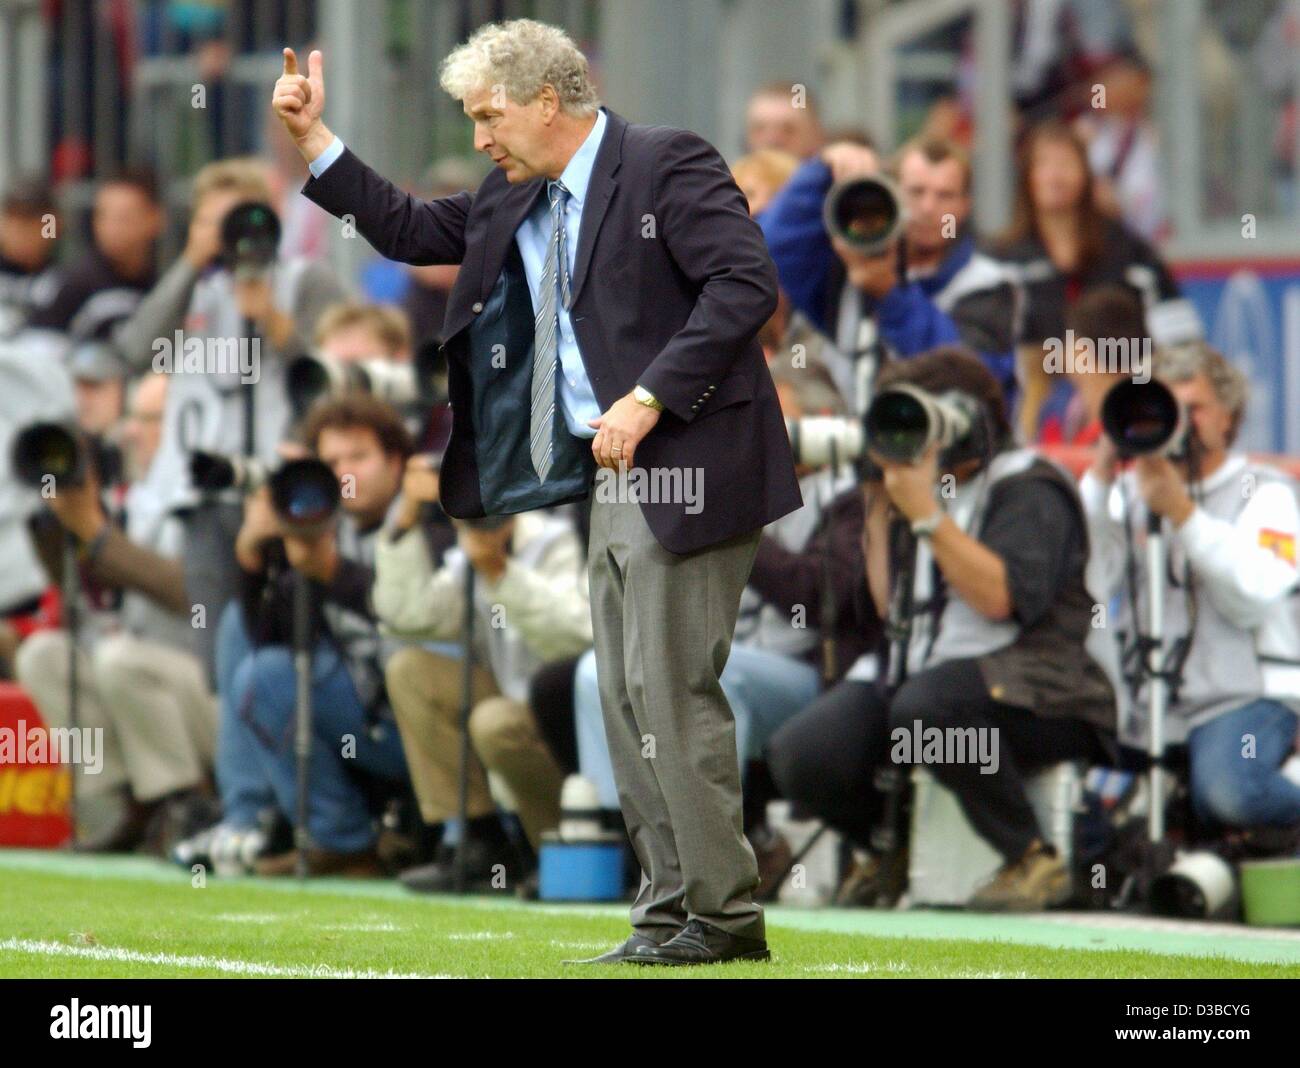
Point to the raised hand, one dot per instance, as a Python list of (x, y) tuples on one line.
[(299, 102)]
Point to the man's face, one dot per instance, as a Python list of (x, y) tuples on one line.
[(22, 240), (143, 428), (935, 201), (773, 121), (369, 477), (99, 404), (126, 223), (349, 344), (514, 136), (1209, 415)]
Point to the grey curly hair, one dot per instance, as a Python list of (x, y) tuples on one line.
[(1179, 363), (521, 55)]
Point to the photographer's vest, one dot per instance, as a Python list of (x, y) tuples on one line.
[(1043, 668)]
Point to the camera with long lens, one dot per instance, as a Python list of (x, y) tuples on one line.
[(901, 422), (250, 237), (213, 472), (817, 440), (865, 213), (1145, 419), (305, 496), (63, 452), (308, 379)]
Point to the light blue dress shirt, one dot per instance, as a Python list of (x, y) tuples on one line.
[(577, 399)]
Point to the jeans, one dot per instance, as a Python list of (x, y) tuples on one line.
[(257, 765), (1240, 790), (763, 688)]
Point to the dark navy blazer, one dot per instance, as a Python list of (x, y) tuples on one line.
[(672, 282)]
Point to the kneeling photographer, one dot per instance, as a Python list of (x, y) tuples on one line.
[(975, 552), (1231, 615), (319, 518), (137, 676)]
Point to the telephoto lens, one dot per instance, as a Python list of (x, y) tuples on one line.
[(815, 439), (305, 496), (865, 213), (250, 236), (49, 450), (904, 420), (309, 378), (1143, 419)]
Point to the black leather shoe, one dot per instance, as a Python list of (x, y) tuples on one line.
[(623, 951), (484, 863), (702, 943)]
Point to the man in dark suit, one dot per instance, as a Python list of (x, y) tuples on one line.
[(600, 340)]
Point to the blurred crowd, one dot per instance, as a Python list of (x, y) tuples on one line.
[(184, 644)]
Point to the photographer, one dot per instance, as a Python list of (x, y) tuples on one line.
[(531, 607), (364, 442), (140, 680), (996, 645), (949, 293), (211, 297), (1231, 603)]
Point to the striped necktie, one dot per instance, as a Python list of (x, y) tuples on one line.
[(546, 348)]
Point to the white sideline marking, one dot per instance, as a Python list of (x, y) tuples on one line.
[(242, 967), (248, 917), (480, 936)]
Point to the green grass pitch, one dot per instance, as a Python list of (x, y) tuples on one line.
[(74, 917)]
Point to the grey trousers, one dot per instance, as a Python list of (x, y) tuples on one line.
[(663, 625)]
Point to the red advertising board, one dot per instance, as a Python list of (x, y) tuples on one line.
[(33, 796)]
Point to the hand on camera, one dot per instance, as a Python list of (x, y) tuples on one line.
[(78, 508), (317, 558), (486, 550), (848, 159), (203, 242), (260, 526), (420, 486), (1163, 490), (911, 486), (873, 275)]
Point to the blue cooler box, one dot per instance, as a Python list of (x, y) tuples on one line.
[(589, 870)]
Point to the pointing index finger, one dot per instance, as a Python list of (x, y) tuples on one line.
[(290, 62)]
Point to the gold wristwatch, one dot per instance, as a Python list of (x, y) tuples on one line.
[(643, 396)]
